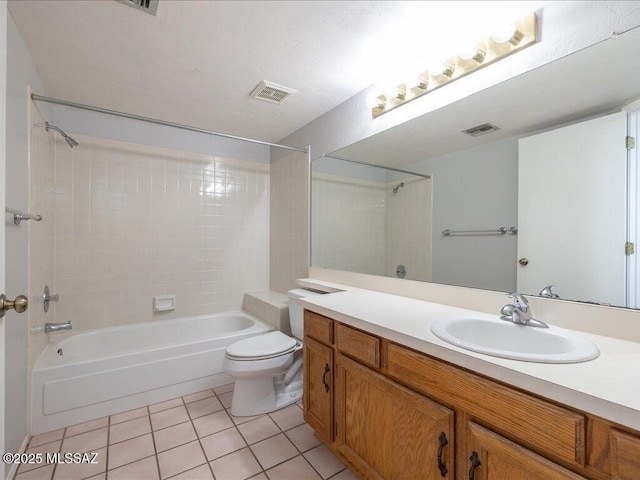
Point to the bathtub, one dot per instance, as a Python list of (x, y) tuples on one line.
[(92, 374)]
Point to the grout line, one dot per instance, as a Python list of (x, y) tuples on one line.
[(106, 465)]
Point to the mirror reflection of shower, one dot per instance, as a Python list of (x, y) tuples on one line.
[(398, 187), (72, 143)]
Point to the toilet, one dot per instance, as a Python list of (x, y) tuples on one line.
[(268, 368)]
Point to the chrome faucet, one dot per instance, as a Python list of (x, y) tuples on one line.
[(548, 293), (56, 327), (519, 312)]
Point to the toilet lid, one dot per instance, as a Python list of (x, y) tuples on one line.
[(266, 345)]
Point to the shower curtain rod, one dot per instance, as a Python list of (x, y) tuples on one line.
[(377, 166), (40, 98)]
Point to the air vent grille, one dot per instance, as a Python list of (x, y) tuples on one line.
[(147, 6), (271, 92), (480, 130)]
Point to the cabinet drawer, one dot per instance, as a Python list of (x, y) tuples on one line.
[(359, 345), (625, 456), (556, 432), (318, 327)]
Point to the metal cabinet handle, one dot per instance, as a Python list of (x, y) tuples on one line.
[(475, 463), (443, 442), (324, 377)]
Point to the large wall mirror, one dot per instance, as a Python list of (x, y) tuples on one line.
[(549, 197)]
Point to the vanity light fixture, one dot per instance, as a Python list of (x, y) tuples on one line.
[(508, 40)]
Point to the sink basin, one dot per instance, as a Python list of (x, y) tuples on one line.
[(504, 339)]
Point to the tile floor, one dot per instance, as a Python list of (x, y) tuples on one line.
[(193, 437)]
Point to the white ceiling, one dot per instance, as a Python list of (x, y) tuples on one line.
[(197, 61)]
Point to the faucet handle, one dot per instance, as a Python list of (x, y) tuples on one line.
[(548, 292), (519, 300)]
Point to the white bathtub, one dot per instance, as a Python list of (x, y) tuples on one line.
[(88, 375)]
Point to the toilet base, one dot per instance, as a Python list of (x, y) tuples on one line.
[(258, 396)]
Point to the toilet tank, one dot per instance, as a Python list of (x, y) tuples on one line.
[(296, 312)]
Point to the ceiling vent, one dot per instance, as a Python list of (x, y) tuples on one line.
[(147, 6), (271, 92), (480, 130)]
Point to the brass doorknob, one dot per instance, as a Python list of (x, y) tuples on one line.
[(523, 261), (20, 304)]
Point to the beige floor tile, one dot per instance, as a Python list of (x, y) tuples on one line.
[(170, 417), (288, 417), (180, 459), (325, 462), (203, 472), (146, 469), (100, 476), (130, 451), (303, 437), (222, 443), (295, 469), (194, 397), (236, 466), (224, 389), (274, 450), (130, 415), (260, 476), (241, 420), (42, 473), (258, 429), (213, 423), (87, 426), (44, 449), (159, 407), (46, 438), (346, 474), (129, 429), (78, 471), (174, 436), (225, 399), (85, 442), (204, 407)]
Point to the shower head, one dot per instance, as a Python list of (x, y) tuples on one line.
[(72, 143), (398, 187)]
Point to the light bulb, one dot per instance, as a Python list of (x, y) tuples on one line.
[(508, 34), (377, 102), (418, 81), (444, 68), (476, 54)]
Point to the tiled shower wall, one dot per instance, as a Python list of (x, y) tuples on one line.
[(41, 234), (134, 221), (408, 228), (348, 224)]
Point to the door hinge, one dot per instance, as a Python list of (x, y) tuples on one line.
[(629, 248), (630, 142)]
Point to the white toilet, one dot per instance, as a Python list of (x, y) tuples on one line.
[(268, 368)]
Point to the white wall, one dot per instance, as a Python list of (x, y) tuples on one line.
[(21, 74), (475, 189)]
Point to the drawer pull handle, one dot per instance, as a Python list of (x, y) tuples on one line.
[(443, 442), (475, 463), (324, 377)]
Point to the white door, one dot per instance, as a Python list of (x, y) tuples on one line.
[(3, 143), (572, 211)]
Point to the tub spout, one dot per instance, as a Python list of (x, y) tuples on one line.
[(56, 327)]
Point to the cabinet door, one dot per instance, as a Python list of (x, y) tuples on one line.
[(625, 456), (318, 388), (492, 457), (387, 431)]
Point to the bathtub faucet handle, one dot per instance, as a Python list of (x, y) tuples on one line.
[(56, 327), (47, 298)]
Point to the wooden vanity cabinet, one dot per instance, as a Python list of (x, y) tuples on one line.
[(393, 413)]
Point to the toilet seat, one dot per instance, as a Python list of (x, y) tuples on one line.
[(262, 347)]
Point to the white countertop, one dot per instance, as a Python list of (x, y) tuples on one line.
[(608, 386)]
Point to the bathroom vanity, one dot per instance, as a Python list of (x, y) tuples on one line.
[(395, 406)]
